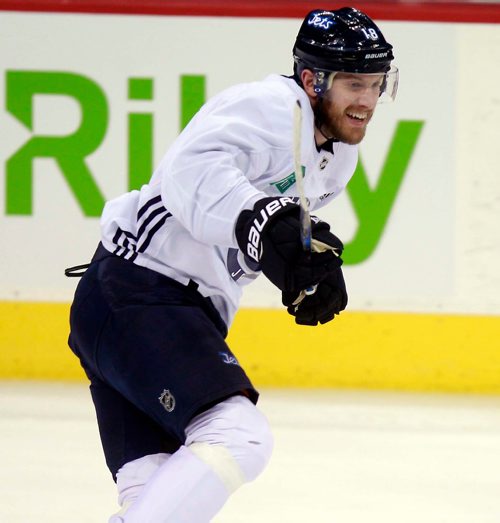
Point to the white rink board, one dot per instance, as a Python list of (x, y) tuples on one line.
[(440, 250)]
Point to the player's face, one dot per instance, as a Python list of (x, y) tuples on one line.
[(347, 107)]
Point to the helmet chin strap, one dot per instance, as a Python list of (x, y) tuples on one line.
[(319, 126), (327, 144)]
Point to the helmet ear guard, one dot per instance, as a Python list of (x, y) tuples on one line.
[(322, 81)]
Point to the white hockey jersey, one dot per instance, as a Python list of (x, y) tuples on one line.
[(237, 149)]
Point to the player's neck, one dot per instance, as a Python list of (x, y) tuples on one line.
[(320, 137)]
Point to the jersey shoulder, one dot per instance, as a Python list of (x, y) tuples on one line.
[(268, 103)]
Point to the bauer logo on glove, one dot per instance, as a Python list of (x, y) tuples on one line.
[(276, 239)]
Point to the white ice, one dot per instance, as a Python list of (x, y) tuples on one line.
[(340, 457)]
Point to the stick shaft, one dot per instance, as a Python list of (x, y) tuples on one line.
[(305, 218)]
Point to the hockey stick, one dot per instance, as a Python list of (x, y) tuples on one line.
[(305, 217)]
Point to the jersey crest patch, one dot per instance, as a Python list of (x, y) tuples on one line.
[(287, 182)]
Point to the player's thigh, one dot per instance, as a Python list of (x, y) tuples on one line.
[(126, 432), (170, 361)]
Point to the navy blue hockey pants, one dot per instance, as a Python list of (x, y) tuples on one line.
[(154, 352)]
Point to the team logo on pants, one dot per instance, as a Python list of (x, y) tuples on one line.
[(167, 400), (229, 359)]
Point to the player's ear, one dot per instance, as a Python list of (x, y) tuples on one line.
[(307, 78)]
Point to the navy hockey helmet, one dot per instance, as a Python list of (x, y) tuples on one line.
[(344, 40)]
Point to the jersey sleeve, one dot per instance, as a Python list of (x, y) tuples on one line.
[(208, 176)]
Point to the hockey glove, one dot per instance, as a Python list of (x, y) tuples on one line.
[(270, 236), (328, 300)]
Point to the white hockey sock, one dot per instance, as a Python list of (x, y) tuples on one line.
[(184, 490), (132, 477), (226, 446)]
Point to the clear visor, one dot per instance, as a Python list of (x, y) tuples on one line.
[(385, 84)]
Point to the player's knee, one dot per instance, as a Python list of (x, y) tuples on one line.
[(251, 442), (234, 437)]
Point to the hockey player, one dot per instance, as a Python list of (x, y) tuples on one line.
[(176, 412)]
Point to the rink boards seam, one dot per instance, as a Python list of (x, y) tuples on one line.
[(363, 350)]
